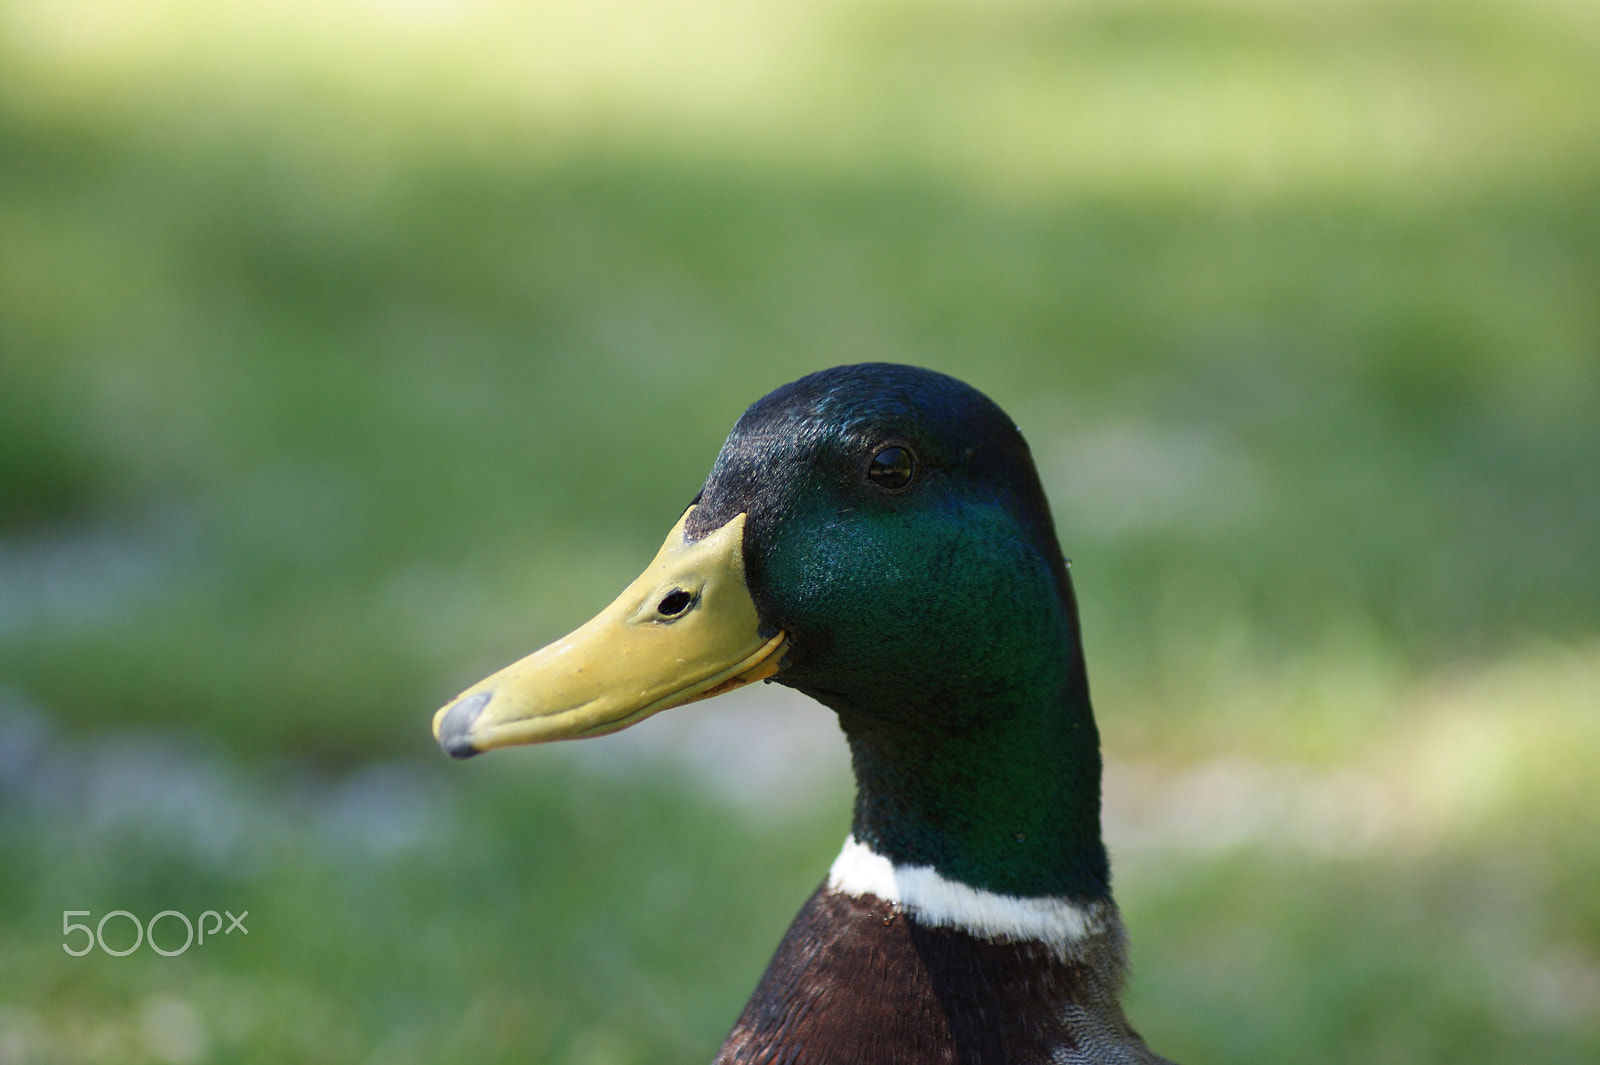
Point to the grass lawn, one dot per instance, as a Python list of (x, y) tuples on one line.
[(350, 350)]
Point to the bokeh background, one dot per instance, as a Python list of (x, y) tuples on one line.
[(351, 348)]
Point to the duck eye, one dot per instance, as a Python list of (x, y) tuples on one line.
[(892, 468)]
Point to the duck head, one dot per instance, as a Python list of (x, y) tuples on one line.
[(876, 537)]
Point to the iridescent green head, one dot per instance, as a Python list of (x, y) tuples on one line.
[(876, 537), (897, 533)]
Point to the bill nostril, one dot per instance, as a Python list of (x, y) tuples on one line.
[(674, 603)]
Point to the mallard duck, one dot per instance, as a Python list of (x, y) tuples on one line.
[(876, 537)]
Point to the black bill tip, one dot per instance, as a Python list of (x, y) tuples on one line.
[(456, 727)]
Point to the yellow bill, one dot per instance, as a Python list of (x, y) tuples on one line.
[(687, 629)]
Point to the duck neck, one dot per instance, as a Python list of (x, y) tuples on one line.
[(1010, 804)]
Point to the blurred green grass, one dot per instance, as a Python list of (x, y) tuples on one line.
[(348, 351)]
